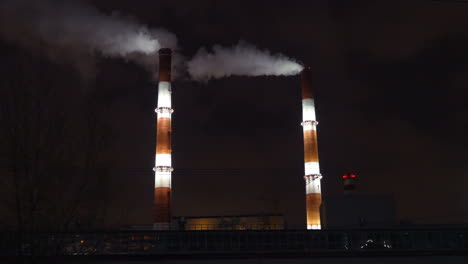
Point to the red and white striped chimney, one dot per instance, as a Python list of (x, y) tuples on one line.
[(311, 160), (163, 161)]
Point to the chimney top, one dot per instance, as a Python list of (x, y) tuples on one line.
[(165, 51)]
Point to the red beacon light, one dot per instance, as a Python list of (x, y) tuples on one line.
[(349, 175)]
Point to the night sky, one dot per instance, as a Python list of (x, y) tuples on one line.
[(390, 80)]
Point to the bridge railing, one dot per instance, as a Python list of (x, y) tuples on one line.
[(277, 241)]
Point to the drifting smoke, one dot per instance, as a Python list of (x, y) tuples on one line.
[(69, 30), (242, 59)]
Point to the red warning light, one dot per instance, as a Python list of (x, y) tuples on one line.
[(352, 176), (345, 176)]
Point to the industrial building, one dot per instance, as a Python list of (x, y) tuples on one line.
[(353, 210), (358, 211), (231, 222)]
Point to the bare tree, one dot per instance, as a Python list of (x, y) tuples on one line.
[(52, 138)]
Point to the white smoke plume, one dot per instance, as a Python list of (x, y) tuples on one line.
[(243, 59), (72, 29)]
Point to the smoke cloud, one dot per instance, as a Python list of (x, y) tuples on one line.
[(243, 59), (70, 29)]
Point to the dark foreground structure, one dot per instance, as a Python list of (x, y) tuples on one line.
[(237, 244)]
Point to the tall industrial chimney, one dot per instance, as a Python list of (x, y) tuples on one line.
[(163, 163), (311, 160)]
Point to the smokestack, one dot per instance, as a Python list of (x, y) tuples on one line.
[(349, 183), (311, 160), (163, 163)]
